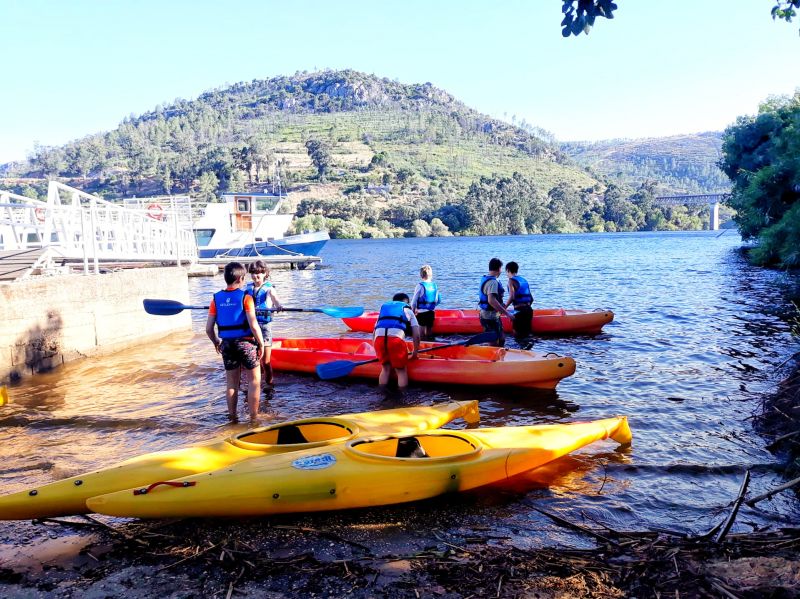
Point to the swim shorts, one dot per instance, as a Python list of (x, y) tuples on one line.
[(425, 319), (238, 353), (392, 350)]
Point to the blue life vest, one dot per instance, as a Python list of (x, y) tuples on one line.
[(431, 299), (483, 299), (260, 300), (393, 316), (522, 294), (231, 318)]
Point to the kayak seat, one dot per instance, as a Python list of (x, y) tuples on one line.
[(409, 447), (288, 435)]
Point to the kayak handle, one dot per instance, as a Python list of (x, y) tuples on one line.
[(170, 483)]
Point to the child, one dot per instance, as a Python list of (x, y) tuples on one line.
[(519, 294), (239, 341), (426, 298), (263, 294), (490, 300), (396, 320)]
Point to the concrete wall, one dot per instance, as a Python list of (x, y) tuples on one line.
[(45, 322)]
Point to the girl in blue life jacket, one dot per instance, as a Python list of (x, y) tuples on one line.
[(521, 296), (263, 294), (426, 298)]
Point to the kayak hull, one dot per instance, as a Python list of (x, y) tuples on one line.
[(466, 322), (473, 365), (363, 472), (68, 496)]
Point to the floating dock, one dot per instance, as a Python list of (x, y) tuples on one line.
[(211, 266)]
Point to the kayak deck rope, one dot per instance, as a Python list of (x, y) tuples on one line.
[(146, 490)]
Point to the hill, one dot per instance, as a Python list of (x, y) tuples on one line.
[(680, 164), (359, 155)]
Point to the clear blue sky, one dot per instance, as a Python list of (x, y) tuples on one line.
[(71, 68)]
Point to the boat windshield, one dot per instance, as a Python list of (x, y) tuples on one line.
[(266, 204), (203, 236)]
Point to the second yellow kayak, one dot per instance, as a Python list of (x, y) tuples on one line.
[(363, 472)]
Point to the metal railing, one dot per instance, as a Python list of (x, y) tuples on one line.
[(79, 226)]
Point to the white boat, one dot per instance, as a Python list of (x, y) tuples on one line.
[(248, 225)]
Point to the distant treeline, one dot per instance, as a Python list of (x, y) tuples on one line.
[(504, 206)]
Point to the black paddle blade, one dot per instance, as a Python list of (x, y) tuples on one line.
[(161, 307)]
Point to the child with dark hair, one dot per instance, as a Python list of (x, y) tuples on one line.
[(490, 300), (234, 331), (263, 293), (396, 321)]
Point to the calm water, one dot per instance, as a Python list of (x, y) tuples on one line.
[(696, 341)]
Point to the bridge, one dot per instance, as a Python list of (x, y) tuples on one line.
[(74, 227), (712, 199)]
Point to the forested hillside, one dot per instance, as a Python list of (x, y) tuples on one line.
[(359, 155), (680, 164)]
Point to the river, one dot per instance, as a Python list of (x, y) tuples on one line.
[(696, 341)]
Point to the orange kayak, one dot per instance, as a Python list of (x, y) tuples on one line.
[(473, 365), (466, 322)]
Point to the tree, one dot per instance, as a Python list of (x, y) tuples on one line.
[(236, 182), (761, 155), (207, 186), (419, 228), (320, 156), (439, 229), (48, 160), (580, 15)]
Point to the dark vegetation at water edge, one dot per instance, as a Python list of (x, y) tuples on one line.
[(762, 158), (361, 156)]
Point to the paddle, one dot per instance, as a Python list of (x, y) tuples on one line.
[(161, 307), (340, 368)]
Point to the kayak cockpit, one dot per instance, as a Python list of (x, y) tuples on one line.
[(308, 433), (446, 446)]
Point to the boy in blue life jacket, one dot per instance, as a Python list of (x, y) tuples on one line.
[(490, 300), (521, 296), (426, 298), (263, 293), (396, 321), (234, 331)]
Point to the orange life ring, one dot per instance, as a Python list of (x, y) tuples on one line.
[(40, 213), (155, 211)]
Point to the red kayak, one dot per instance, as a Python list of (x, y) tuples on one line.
[(473, 365), (466, 322)]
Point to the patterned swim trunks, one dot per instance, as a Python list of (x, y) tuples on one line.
[(239, 353)]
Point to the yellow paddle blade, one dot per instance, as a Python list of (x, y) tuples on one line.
[(3, 396)]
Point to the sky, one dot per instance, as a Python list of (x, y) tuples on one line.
[(73, 68)]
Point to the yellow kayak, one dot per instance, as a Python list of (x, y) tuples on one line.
[(362, 472), (69, 496)]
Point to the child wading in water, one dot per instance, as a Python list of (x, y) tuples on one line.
[(232, 313), (396, 322), (263, 293)]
